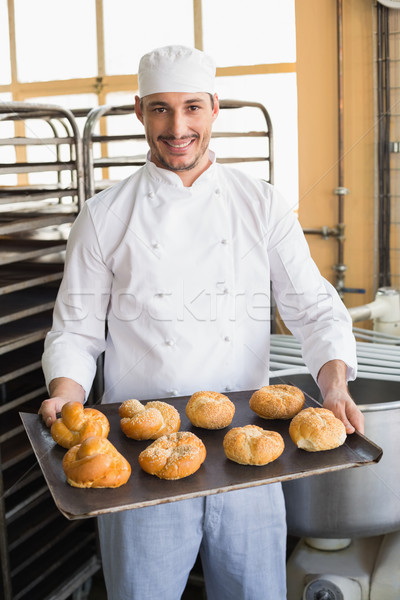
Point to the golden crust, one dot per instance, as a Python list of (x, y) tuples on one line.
[(210, 410), (150, 421), (173, 456), (95, 463), (252, 445), (77, 424), (316, 429), (277, 401)]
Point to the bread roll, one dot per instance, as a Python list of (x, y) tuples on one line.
[(150, 421), (210, 410), (315, 429), (173, 456), (277, 401), (77, 423), (96, 463), (252, 445)]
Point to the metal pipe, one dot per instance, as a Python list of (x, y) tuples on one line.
[(324, 231), (380, 145), (93, 117), (386, 213), (383, 98), (340, 191), (372, 310), (385, 339), (340, 111)]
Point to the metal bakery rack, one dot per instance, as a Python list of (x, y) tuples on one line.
[(41, 190), (124, 144)]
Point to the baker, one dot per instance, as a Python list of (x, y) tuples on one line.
[(177, 260)]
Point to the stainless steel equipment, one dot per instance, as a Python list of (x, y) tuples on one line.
[(366, 569), (326, 511), (363, 502), (348, 504), (384, 310)]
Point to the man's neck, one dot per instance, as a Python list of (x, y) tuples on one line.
[(188, 176)]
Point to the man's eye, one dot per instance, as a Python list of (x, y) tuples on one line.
[(193, 108), (159, 109)]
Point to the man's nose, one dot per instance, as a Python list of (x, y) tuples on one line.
[(177, 125)]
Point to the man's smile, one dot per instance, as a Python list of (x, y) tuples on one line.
[(178, 144)]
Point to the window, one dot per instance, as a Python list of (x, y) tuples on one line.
[(249, 33), (55, 40), (5, 66), (133, 28), (84, 53)]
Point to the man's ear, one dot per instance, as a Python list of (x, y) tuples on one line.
[(138, 111), (216, 107)]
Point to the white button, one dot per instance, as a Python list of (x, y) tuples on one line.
[(217, 191), (174, 392), (150, 195), (160, 295), (224, 241), (228, 388), (227, 338), (226, 291), (155, 245), (170, 342)]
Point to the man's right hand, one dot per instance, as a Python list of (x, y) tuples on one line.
[(49, 409), (62, 390)]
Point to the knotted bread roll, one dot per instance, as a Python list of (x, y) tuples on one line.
[(77, 423), (210, 410), (173, 456), (150, 421), (315, 429), (95, 463), (277, 401), (252, 445)]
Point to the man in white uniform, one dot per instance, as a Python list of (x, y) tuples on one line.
[(178, 260)]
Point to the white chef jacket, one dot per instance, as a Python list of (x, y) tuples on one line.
[(182, 277)]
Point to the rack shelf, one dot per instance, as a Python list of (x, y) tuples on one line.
[(13, 194), (23, 275), (24, 332), (21, 362), (42, 556), (20, 476), (22, 249), (18, 222)]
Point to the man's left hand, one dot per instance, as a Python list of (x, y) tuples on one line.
[(333, 386), (344, 408)]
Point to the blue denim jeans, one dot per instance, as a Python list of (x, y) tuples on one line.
[(148, 553)]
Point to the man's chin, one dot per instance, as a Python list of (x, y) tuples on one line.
[(178, 166)]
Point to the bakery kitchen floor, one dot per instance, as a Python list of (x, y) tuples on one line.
[(193, 591)]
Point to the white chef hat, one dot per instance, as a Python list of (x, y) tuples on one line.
[(176, 69)]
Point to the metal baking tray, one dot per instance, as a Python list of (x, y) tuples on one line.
[(217, 474)]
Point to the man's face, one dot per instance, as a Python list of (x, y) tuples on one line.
[(178, 130)]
